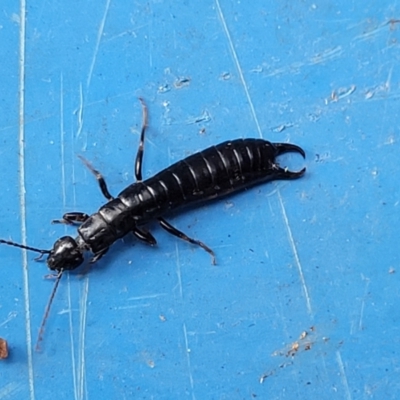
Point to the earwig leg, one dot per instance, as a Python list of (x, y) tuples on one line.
[(99, 177), (139, 155), (144, 236), (98, 255), (170, 229), (71, 218)]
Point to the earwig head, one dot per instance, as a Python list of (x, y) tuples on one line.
[(65, 255)]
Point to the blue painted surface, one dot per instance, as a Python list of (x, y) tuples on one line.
[(304, 300)]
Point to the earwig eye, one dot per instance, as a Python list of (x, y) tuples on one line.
[(65, 255)]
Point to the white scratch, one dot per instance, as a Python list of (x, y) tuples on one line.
[(96, 49), (22, 190), (131, 307), (187, 349), (178, 270), (343, 375), (296, 255), (79, 111), (149, 296), (64, 200), (73, 157), (360, 323), (327, 55), (370, 33), (238, 67), (294, 67), (10, 317), (9, 390), (71, 338), (389, 79), (82, 335), (150, 41), (62, 140)]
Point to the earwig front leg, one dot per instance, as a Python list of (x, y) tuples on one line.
[(98, 255), (170, 229), (139, 155), (145, 236), (99, 177), (71, 218)]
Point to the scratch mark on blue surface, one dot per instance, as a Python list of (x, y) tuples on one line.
[(389, 79), (62, 140), (150, 42), (343, 375), (96, 49), (326, 55), (10, 317), (71, 338), (238, 67), (10, 389), (360, 323), (73, 156), (178, 270), (64, 200), (149, 296), (22, 190), (296, 255), (82, 334), (187, 349), (370, 33), (294, 67), (80, 111), (133, 306)]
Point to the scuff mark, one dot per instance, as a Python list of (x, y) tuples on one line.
[(340, 93), (282, 127), (164, 88), (205, 117), (305, 342), (181, 82)]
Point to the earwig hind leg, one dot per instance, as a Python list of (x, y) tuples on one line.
[(145, 236), (71, 218), (139, 155), (283, 148), (99, 177), (170, 229)]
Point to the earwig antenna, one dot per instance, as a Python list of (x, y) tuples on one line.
[(47, 310), (139, 156), (21, 246)]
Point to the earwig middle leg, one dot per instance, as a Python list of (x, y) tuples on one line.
[(170, 229), (99, 177), (144, 236), (71, 218), (139, 155)]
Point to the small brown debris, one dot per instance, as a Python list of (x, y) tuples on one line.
[(3, 349)]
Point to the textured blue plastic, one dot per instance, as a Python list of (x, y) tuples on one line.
[(304, 301)]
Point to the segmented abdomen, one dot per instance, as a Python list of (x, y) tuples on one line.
[(214, 172)]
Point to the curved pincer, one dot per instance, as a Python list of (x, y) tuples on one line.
[(284, 173), (282, 148)]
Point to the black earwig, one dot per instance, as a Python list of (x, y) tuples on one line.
[(217, 171)]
